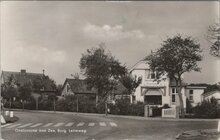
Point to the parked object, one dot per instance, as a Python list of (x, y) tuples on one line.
[(11, 114)]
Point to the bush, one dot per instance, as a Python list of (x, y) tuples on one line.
[(189, 108), (207, 109), (124, 107), (137, 109)]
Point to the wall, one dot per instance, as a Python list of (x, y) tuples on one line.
[(64, 92), (139, 71), (197, 94)]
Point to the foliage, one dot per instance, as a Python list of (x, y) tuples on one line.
[(207, 109), (189, 108), (213, 37), (176, 56), (124, 107), (25, 92), (9, 92), (212, 88), (59, 90), (101, 69), (130, 82), (9, 89), (44, 83)]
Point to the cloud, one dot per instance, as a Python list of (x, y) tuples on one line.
[(108, 32), (33, 56)]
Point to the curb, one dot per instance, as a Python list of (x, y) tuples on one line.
[(197, 133), (121, 116)]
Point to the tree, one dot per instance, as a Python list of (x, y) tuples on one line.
[(130, 82), (9, 90), (25, 93), (213, 36), (102, 71), (177, 56), (59, 90), (44, 83)]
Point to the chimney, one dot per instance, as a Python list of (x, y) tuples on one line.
[(43, 71), (23, 71)]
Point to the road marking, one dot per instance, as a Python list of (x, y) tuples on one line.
[(102, 124), (80, 124), (91, 124), (113, 124), (6, 125), (25, 125), (46, 125), (13, 125), (36, 125), (69, 124), (58, 124)]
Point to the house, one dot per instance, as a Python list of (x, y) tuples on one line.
[(194, 93), (76, 86), (155, 93), (209, 95), (21, 78), (80, 87)]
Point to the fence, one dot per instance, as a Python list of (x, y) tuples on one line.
[(169, 113)]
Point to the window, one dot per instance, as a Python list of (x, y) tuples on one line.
[(146, 74), (133, 98), (67, 88), (191, 95), (174, 91), (173, 98), (150, 74)]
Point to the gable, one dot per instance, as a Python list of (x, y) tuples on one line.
[(141, 65)]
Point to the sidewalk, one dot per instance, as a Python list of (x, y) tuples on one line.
[(119, 116), (207, 134)]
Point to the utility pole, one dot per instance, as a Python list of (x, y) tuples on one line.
[(77, 103), (54, 104), (37, 103)]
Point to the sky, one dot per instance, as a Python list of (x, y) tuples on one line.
[(53, 35)]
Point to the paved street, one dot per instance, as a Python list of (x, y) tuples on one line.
[(60, 126)]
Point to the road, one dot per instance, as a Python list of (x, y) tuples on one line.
[(66, 126)]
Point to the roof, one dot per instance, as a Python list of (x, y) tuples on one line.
[(24, 77), (210, 93), (79, 86), (120, 88), (21, 78), (173, 83), (136, 64), (196, 87)]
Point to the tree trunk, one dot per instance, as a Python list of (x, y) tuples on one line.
[(106, 105), (22, 105), (54, 105), (106, 108), (179, 88), (10, 102), (96, 100), (77, 104), (37, 103)]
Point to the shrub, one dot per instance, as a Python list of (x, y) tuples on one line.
[(207, 109), (189, 108), (124, 107), (137, 109)]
